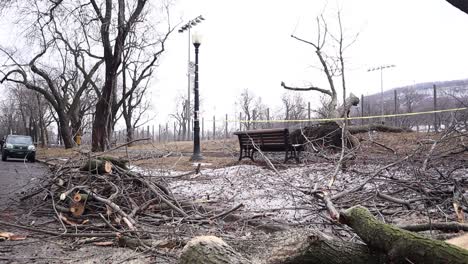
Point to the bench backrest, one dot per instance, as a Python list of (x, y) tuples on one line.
[(264, 137)]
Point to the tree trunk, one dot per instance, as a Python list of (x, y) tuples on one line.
[(316, 247), (400, 245), (294, 248), (377, 127), (65, 131)]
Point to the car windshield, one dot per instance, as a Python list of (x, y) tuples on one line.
[(25, 140)]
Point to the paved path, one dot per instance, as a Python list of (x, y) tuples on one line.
[(15, 176)]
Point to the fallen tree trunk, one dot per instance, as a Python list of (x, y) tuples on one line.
[(294, 248), (384, 244), (376, 127), (400, 245), (317, 247), (99, 166)]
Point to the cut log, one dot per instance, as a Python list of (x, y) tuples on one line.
[(122, 163), (77, 208), (401, 246), (210, 250), (99, 166)]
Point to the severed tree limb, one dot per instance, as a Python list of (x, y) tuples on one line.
[(223, 214), (446, 227), (376, 127), (375, 174), (127, 218), (401, 246), (312, 88), (47, 232), (163, 199), (394, 200), (383, 146)]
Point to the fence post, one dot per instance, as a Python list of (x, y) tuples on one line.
[(308, 113), (214, 127), (159, 135), (395, 99), (369, 111), (254, 117), (362, 109), (167, 132), (175, 131), (203, 128), (152, 135), (226, 128), (436, 125), (240, 121), (268, 118)]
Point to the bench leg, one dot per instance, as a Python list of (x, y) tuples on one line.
[(251, 156)]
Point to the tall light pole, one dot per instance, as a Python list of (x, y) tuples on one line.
[(381, 68), (187, 27), (196, 123)]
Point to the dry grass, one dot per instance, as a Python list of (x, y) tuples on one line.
[(222, 153)]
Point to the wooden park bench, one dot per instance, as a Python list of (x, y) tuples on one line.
[(267, 140)]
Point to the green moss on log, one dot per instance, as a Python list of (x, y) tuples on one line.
[(401, 245)]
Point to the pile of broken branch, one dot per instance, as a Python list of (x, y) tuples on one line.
[(103, 197)]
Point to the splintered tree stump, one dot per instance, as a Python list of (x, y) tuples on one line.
[(210, 250), (99, 166), (400, 245)]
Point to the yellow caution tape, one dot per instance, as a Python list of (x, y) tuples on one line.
[(349, 118)]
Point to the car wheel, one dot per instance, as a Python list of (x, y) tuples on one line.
[(4, 157), (32, 158)]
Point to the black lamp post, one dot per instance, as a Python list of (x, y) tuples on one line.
[(187, 27), (196, 122)]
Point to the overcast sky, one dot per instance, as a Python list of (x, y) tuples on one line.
[(247, 44)]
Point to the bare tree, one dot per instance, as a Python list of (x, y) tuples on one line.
[(58, 80), (332, 63), (252, 108), (140, 58), (294, 107), (180, 115)]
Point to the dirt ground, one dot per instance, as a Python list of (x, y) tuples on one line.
[(272, 195)]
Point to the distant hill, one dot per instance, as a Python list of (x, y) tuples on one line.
[(419, 97)]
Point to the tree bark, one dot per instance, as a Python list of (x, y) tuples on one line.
[(210, 250), (317, 247), (377, 127), (65, 131), (400, 245)]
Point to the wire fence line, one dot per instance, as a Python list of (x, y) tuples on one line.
[(429, 115)]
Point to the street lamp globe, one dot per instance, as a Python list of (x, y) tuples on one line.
[(196, 38)]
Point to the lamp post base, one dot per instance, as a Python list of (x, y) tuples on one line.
[(197, 157)]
